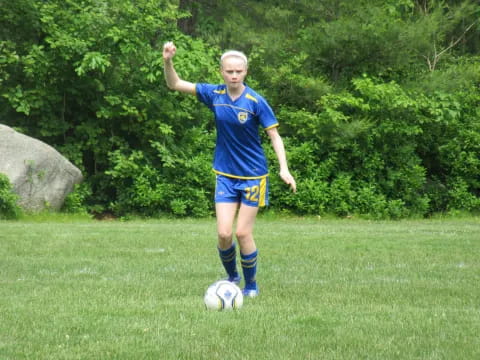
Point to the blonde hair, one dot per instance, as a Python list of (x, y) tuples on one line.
[(234, 53)]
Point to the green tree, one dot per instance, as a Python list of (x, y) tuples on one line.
[(377, 100), (88, 79)]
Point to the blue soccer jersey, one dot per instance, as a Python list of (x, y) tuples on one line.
[(238, 151)]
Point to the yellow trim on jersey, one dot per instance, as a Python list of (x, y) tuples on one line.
[(239, 177), (221, 92), (250, 97), (271, 127)]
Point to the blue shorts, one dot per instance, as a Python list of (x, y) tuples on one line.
[(252, 192)]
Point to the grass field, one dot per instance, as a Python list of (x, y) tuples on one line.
[(330, 289)]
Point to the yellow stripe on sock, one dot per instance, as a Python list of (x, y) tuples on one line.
[(228, 258), (248, 264)]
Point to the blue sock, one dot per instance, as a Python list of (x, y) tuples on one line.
[(249, 267), (229, 260)]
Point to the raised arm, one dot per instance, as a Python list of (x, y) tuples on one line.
[(279, 148), (173, 80)]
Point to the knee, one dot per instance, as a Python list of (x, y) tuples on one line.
[(224, 236), (242, 234)]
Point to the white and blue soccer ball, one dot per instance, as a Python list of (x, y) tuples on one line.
[(223, 295)]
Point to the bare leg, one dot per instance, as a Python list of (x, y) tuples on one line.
[(244, 232), (248, 248), (226, 213), (225, 217)]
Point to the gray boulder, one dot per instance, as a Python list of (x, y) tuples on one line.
[(40, 175)]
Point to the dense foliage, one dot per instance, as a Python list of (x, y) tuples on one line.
[(9, 209), (378, 100)]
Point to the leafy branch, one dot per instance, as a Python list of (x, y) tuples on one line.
[(432, 63)]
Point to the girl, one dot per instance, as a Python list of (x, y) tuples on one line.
[(239, 161)]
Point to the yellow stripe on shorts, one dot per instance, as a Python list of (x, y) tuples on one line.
[(263, 190)]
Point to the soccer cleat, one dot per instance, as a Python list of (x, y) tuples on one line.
[(234, 279), (251, 292)]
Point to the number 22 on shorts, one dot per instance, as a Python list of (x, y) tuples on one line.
[(252, 193)]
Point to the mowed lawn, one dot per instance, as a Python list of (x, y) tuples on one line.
[(330, 289)]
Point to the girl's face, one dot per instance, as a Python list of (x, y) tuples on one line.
[(233, 71)]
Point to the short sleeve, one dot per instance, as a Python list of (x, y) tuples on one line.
[(265, 115), (205, 93)]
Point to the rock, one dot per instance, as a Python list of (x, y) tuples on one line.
[(39, 174)]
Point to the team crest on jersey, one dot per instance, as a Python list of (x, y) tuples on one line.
[(242, 117)]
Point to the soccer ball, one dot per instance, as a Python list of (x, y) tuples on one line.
[(223, 295)]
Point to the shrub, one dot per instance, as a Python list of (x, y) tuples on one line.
[(75, 202), (9, 208)]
